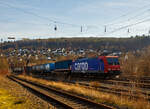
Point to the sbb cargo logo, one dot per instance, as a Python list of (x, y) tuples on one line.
[(83, 66)]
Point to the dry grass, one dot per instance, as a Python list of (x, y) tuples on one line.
[(95, 84), (3, 66), (137, 64), (13, 96), (7, 101), (95, 95)]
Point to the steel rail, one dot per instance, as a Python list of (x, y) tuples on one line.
[(80, 100), (43, 96)]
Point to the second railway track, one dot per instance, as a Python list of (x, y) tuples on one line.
[(58, 98), (121, 88)]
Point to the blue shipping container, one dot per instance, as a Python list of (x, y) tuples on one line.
[(49, 67), (63, 64)]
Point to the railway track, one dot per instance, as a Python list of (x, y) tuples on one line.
[(120, 90), (58, 98), (114, 83), (132, 90), (137, 84), (133, 78)]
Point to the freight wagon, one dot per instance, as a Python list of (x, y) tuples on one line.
[(49, 67), (17, 70), (63, 66), (40, 69)]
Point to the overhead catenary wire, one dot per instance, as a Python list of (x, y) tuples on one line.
[(127, 20), (130, 25), (142, 20), (39, 16), (132, 18), (63, 23), (48, 19), (127, 14)]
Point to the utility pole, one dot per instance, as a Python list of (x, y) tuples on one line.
[(11, 38), (105, 30), (1, 47), (81, 29), (148, 32)]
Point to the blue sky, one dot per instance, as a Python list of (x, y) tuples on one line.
[(36, 18)]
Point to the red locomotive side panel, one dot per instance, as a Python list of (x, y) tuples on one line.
[(111, 64)]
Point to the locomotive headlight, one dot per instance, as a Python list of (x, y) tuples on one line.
[(109, 69)]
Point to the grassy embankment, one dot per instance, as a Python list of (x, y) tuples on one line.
[(14, 96), (3, 66), (7, 101), (95, 95)]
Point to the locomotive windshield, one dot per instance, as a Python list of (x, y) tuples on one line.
[(113, 61)]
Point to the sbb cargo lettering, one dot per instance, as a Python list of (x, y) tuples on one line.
[(81, 66)]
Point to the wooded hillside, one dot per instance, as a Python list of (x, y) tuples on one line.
[(121, 44)]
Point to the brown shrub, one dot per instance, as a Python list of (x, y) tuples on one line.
[(137, 63), (4, 67), (128, 66)]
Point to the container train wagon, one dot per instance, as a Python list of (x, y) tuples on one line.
[(17, 70), (102, 66), (43, 69), (63, 66)]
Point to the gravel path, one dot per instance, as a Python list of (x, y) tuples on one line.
[(20, 92)]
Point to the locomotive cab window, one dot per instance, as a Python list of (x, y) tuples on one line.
[(116, 61), (113, 61)]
